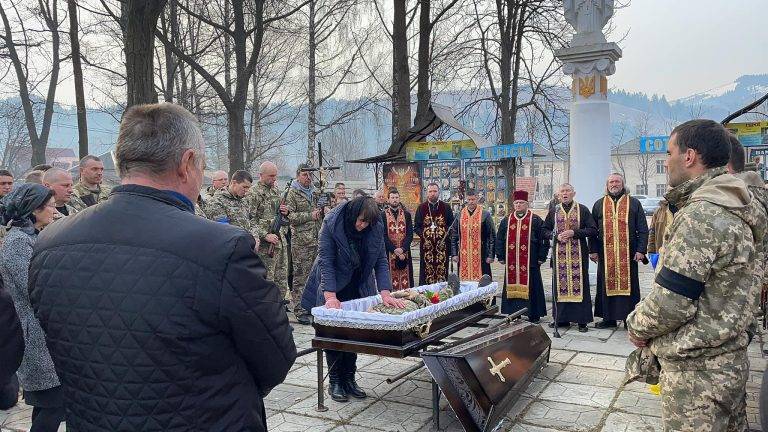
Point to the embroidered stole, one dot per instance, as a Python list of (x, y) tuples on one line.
[(396, 231), (616, 246), (434, 255), (570, 279), (518, 255), (470, 244)]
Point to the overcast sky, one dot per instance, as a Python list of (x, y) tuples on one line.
[(681, 47)]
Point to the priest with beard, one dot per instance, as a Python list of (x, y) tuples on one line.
[(398, 236), (572, 224), (432, 223), (522, 247), (621, 244), (473, 241)]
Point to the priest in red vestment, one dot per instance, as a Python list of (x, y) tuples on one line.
[(621, 244), (432, 224), (474, 240), (522, 247), (399, 235)]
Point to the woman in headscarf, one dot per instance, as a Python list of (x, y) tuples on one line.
[(351, 250), (25, 212)]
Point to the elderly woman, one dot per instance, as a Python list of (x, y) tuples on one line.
[(351, 250), (25, 212)]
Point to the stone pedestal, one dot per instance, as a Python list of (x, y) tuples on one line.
[(590, 118)]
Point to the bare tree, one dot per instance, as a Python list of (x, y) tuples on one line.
[(401, 79), (138, 21), (13, 136), (23, 40), (77, 75)]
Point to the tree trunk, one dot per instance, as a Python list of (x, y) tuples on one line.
[(235, 138), (77, 71), (311, 89), (423, 93), (139, 20), (401, 86)]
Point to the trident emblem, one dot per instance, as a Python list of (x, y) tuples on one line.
[(495, 369)]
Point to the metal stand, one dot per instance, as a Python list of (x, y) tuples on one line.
[(555, 333), (320, 383), (435, 405)]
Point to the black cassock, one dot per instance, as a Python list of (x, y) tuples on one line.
[(406, 241), (488, 241), (439, 264), (618, 307), (580, 313), (536, 303)]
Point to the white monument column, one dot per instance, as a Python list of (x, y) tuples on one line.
[(589, 59)]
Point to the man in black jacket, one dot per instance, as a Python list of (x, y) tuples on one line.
[(157, 319), (11, 350)]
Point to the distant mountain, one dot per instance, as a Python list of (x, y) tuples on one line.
[(632, 114)]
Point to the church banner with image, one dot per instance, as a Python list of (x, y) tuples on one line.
[(406, 178), (440, 150)]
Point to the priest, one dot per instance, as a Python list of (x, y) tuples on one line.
[(621, 244), (522, 247), (473, 240), (572, 224), (398, 227), (432, 223)]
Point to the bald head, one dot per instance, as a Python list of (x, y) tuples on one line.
[(219, 179), (60, 182), (268, 173)]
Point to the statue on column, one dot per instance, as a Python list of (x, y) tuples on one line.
[(588, 17)]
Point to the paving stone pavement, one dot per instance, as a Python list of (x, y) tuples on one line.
[(579, 390)]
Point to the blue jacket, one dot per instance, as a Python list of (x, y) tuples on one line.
[(333, 266)]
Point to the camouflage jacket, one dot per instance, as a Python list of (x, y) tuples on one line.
[(262, 204), (226, 207), (706, 289), (304, 229), (81, 196)]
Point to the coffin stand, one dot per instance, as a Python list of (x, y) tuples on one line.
[(482, 375)]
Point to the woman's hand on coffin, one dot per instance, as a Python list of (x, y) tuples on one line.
[(388, 300), (331, 302)]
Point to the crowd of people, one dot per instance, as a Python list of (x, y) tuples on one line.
[(160, 305)]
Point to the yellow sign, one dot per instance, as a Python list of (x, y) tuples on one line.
[(435, 150), (750, 134)]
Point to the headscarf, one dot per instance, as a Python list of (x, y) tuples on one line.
[(16, 208)]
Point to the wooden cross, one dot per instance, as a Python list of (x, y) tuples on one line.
[(495, 369)]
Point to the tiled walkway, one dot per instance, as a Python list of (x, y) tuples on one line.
[(580, 390)]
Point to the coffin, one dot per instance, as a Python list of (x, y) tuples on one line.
[(399, 335), (484, 376)]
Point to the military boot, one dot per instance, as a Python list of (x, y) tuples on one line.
[(336, 376), (350, 385)]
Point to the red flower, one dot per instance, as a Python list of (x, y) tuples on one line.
[(435, 298)]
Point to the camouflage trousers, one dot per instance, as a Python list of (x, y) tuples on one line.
[(276, 265), (303, 257), (712, 400)]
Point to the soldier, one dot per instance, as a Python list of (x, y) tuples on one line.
[(89, 190), (696, 316), (304, 218), (263, 202), (219, 181), (60, 182), (6, 182), (228, 206), (339, 194)]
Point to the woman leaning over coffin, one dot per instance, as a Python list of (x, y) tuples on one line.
[(25, 212), (351, 263)]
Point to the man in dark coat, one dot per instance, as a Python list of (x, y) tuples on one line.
[(572, 223), (351, 263), (158, 319), (12, 343), (473, 240), (432, 224), (621, 244), (522, 247), (398, 236)]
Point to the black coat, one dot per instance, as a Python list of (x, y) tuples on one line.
[(11, 337), (158, 319)]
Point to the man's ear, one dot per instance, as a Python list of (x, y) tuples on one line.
[(187, 165), (690, 158)]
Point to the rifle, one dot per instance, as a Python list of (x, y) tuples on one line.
[(278, 221)]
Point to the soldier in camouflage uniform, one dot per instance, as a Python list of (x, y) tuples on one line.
[(696, 317), (228, 205), (304, 217), (89, 191), (219, 182), (60, 182), (263, 201)]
